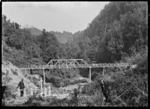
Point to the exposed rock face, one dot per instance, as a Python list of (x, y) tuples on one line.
[(11, 76)]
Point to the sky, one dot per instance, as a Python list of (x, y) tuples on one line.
[(53, 16)]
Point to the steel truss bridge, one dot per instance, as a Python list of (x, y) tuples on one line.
[(76, 63)]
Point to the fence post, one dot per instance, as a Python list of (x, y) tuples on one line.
[(24, 92), (45, 91), (31, 91), (19, 92)]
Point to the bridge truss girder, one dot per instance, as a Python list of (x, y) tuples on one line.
[(77, 63)]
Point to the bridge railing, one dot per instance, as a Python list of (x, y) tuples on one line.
[(104, 65)]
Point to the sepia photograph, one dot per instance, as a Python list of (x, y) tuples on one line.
[(74, 54)]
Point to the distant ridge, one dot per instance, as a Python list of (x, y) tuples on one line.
[(63, 37), (34, 31)]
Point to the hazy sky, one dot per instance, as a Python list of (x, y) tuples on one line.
[(53, 16)]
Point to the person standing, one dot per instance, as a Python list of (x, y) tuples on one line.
[(22, 87)]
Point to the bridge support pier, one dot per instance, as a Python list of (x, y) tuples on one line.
[(41, 87), (103, 71), (43, 82), (31, 91), (90, 74)]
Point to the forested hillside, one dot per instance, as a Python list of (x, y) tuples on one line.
[(23, 49), (63, 37), (119, 33)]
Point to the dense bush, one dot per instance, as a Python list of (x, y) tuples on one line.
[(9, 95), (90, 89)]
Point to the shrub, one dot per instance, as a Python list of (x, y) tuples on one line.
[(14, 72), (34, 101), (9, 95), (89, 89)]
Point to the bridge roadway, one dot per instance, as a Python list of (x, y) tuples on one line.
[(108, 65), (76, 63)]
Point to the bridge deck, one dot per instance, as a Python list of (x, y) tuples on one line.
[(79, 66)]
